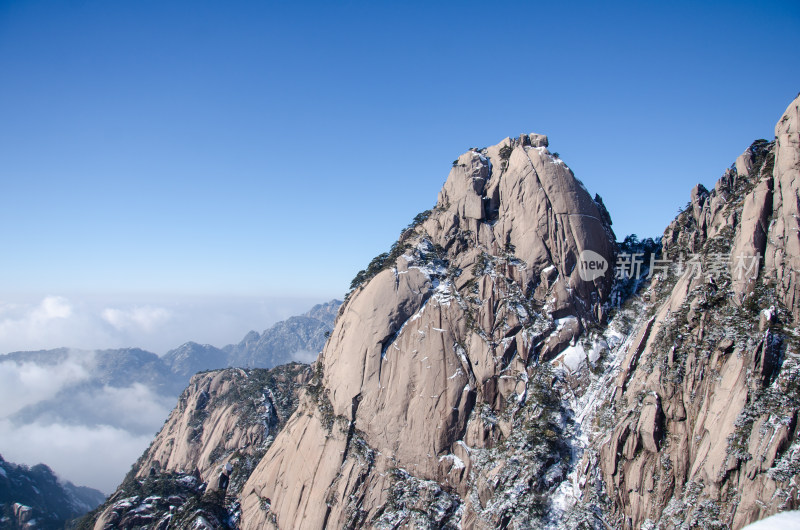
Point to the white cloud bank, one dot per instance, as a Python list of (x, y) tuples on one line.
[(157, 325), (52, 323), (137, 319), (27, 383), (95, 456), (100, 435), (94, 433)]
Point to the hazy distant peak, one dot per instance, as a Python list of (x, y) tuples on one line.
[(325, 312)]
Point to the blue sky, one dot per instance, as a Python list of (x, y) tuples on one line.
[(273, 148)]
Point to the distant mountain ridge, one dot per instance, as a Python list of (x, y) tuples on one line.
[(112, 367), (303, 334), (278, 344), (135, 387)]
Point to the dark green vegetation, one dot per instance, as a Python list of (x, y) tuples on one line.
[(387, 259)]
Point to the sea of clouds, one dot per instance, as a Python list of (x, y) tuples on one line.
[(93, 437), (93, 444), (156, 324)]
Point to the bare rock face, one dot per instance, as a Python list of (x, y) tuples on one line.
[(451, 326), (751, 238), (221, 413), (706, 403), (221, 427), (651, 420), (782, 257)]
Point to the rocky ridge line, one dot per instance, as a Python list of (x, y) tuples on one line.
[(446, 328)]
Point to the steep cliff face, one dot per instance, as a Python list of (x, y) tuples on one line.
[(224, 413), (493, 370), (706, 395), (223, 424), (437, 337)]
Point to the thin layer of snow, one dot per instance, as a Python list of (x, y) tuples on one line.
[(201, 523), (781, 521), (561, 322), (573, 356), (563, 498), (458, 372), (569, 491), (598, 347), (457, 462), (467, 448), (462, 355), (442, 292), (397, 335)]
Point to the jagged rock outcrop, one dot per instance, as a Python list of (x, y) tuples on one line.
[(782, 256), (448, 325), (223, 418), (491, 372), (705, 431), (224, 413)]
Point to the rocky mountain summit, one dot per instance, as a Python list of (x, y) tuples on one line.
[(431, 349), (508, 364)]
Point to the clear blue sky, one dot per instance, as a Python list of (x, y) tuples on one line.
[(259, 148)]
